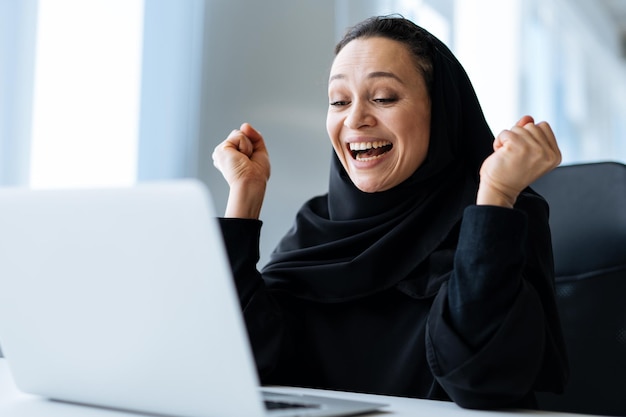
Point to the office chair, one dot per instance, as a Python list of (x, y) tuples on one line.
[(588, 223)]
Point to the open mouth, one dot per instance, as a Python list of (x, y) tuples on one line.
[(367, 151)]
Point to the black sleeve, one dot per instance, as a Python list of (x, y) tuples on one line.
[(494, 335), (264, 320)]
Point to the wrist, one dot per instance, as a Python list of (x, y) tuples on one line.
[(490, 196), (245, 201)]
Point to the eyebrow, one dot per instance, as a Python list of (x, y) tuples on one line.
[(375, 74)]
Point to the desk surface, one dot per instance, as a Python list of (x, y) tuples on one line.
[(14, 403)]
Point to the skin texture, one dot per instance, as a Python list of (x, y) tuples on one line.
[(521, 155), (244, 162), (377, 94)]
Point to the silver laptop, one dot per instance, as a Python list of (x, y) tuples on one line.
[(123, 298)]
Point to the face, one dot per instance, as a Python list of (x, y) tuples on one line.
[(379, 114)]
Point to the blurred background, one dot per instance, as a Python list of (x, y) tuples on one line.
[(113, 92)]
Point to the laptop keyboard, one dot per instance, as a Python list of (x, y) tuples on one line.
[(281, 405)]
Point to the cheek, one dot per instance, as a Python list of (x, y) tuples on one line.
[(420, 148), (333, 128), (416, 145)]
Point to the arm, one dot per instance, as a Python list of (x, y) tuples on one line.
[(244, 162), (264, 319), (493, 333)]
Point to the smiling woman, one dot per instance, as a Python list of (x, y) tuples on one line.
[(426, 269)]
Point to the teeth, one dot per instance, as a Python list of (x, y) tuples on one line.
[(362, 146), (369, 158)]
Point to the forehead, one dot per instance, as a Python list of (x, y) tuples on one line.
[(365, 55)]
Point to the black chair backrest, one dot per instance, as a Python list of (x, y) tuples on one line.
[(588, 223)]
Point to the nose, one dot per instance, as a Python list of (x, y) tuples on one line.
[(358, 116)]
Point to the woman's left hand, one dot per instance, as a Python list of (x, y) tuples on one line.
[(521, 155)]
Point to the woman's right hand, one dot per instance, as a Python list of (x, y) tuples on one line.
[(243, 160)]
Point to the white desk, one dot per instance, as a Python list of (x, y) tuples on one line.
[(14, 403)]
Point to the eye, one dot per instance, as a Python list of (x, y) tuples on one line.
[(339, 103), (385, 100)]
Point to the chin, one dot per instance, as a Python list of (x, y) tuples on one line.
[(369, 187)]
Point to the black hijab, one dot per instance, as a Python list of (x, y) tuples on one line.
[(348, 244)]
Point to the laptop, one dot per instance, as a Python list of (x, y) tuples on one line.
[(123, 298)]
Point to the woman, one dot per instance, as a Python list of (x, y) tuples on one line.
[(426, 270)]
